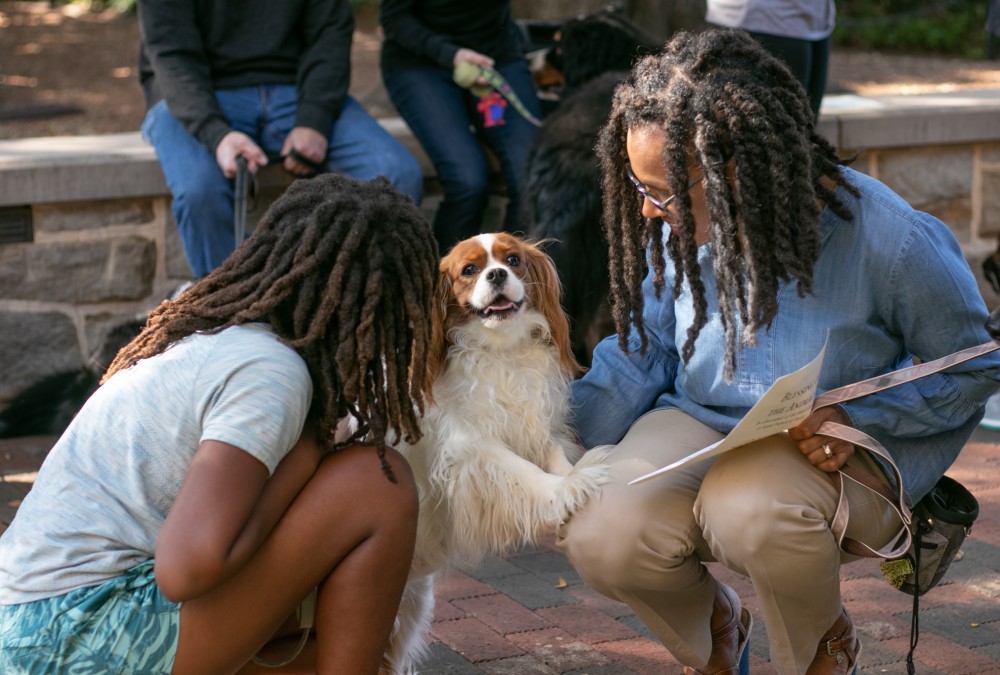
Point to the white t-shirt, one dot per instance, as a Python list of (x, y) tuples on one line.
[(802, 19), (105, 488)]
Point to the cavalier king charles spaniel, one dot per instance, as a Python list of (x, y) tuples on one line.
[(495, 465)]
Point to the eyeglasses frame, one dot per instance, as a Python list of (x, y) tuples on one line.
[(646, 191)]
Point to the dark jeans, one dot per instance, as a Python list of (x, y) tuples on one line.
[(445, 119), (809, 61)]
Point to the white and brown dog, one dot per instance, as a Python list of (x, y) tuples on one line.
[(495, 464)]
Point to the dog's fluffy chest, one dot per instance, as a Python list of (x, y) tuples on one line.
[(519, 398)]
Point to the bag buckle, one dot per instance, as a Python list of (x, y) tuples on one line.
[(837, 653)]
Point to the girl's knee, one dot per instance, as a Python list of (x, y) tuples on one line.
[(389, 486)]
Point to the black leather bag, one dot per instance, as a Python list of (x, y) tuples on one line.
[(941, 522)]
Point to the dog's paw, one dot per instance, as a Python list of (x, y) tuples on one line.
[(596, 455), (575, 489)]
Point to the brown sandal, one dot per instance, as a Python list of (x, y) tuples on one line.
[(838, 650), (729, 641)]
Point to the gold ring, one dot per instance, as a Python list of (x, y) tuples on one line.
[(827, 451)]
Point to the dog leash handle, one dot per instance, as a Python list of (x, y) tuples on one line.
[(467, 73), (881, 382), (241, 191), (901, 544)]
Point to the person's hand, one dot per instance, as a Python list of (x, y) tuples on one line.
[(813, 446), (237, 144), (310, 144), (464, 55)]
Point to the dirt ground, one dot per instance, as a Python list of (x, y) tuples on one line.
[(71, 71)]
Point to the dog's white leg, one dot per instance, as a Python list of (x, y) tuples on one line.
[(499, 500), (408, 643), (582, 483), (557, 461)]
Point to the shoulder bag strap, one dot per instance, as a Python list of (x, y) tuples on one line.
[(901, 543)]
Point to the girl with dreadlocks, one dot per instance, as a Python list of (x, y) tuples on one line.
[(761, 249), (204, 491)]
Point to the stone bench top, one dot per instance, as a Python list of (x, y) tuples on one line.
[(54, 169), (112, 166)]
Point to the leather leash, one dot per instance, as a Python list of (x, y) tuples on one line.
[(902, 543), (242, 191)]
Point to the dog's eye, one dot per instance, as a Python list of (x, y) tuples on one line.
[(513, 260), (469, 270)]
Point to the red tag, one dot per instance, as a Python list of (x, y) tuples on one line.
[(492, 107)]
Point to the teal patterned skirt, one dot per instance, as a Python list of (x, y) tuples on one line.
[(124, 625)]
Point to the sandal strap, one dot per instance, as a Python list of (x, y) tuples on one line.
[(834, 646)]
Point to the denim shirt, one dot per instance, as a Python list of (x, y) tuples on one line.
[(889, 285)]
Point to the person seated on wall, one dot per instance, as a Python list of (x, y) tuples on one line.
[(424, 43), (260, 80)]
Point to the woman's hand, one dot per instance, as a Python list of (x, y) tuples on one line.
[(824, 452), (472, 56), (464, 55)]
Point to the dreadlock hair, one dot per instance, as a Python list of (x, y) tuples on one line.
[(724, 102), (345, 273)]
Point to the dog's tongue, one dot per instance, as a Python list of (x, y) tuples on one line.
[(500, 306)]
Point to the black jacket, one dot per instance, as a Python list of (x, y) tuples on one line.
[(427, 33), (190, 48)]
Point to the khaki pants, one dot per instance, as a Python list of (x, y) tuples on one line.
[(762, 510)]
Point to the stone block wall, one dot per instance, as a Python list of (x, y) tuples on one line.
[(90, 267)]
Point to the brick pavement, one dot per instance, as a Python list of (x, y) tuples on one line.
[(529, 614)]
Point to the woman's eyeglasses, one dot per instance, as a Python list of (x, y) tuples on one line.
[(652, 194)]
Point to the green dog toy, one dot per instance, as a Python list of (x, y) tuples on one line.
[(466, 75)]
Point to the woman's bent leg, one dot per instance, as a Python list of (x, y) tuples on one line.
[(765, 512), (349, 531), (202, 196), (641, 545)]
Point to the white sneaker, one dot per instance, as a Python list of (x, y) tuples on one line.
[(991, 420)]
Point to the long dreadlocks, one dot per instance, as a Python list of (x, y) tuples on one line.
[(344, 272), (722, 101)]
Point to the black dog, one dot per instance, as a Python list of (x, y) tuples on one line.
[(593, 54), (48, 406)]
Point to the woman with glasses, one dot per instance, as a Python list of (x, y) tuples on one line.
[(740, 247)]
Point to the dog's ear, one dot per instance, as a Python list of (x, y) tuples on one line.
[(546, 294), (438, 352)]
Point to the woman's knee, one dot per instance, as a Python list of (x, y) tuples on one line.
[(603, 550), (465, 186), (762, 498), (386, 489)]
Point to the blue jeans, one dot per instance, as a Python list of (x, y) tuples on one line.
[(446, 121), (203, 196)]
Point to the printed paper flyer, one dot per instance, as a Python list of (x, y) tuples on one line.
[(788, 401)]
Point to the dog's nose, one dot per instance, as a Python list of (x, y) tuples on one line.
[(496, 276)]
